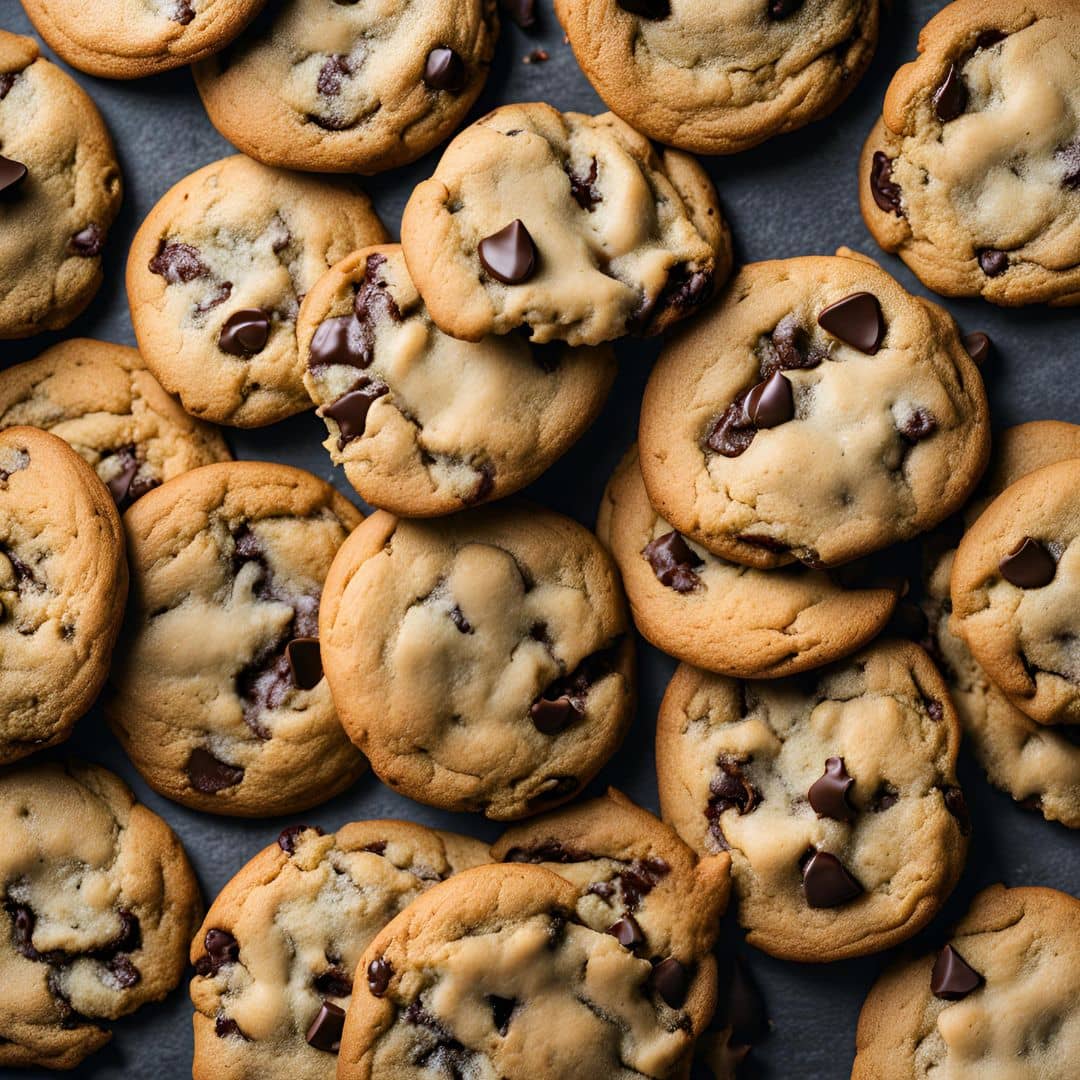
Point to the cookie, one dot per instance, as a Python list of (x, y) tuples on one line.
[(340, 87), (571, 226), (482, 661), (426, 424), (101, 400), (1002, 998), (826, 360), (491, 974), (215, 278), (719, 79), (60, 191), (128, 39), (1015, 590), (972, 175), (276, 954), (219, 698), (97, 905), (835, 793), (724, 617), (63, 581)]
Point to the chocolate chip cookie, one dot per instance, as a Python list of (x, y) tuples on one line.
[(219, 696), (333, 86), (482, 661), (719, 78), (97, 906), (1016, 592), (972, 175), (127, 39), (63, 582), (720, 615), (101, 400), (835, 793), (492, 974), (819, 412), (276, 955), (1001, 998), (424, 423), (59, 192), (215, 278), (569, 225)]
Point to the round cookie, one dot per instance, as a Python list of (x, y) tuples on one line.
[(97, 906), (101, 400), (1016, 592), (63, 582), (491, 974), (426, 424), (818, 412), (972, 176), (481, 661), (60, 191), (722, 616), (1002, 998), (572, 226), (716, 79), (275, 956), (128, 39), (216, 274), (219, 698), (835, 793), (344, 87)]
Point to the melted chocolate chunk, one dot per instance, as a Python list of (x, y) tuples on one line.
[(379, 973), (671, 980), (977, 345), (1029, 565), (627, 932), (338, 341), (245, 332), (351, 409), (502, 1010), (178, 263), (992, 262), (826, 881), (733, 432), (305, 662), (552, 851), (828, 795), (12, 175), (563, 702), (221, 949), (956, 804), (789, 347), (673, 562), (952, 977), (856, 320), (647, 9), (125, 486), (886, 191), (553, 716), (209, 775), (951, 96), (182, 12), (684, 291), (334, 983), (509, 256), (325, 1030), (919, 424), (87, 242), (583, 188), (730, 789), (332, 74), (445, 70), (288, 836)]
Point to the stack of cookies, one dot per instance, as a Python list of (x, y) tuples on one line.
[(813, 522)]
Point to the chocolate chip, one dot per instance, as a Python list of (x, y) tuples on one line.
[(178, 263), (119, 484), (781, 9), (7, 81), (827, 883), (731, 789), (885, 797), (673, 562), (326, 1028), (886, 191), (502, 1009), (855, 320), (288, 836), (509, 255), (333, 983), (124, 972), (245, 332), (647, 9), (956, 804), (12, 174), (935, 710), (209, 775), (583, 188), (671, 980), (87, 242), (828, 794), (221, 949), (977, 345), (338, 341), (627, 932), (523, 12), (457, 617), (331, 75), (305, 662), (953, 977), (733, 431), (351, 409), (951, 97), (378, 976), (919, 424), (771, 403), (684, 290), (445, 70), (1029, 565), (182, 12), (993, 262), (789, 347), (553, 716)]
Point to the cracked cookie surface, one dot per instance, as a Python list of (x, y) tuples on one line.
[(219, 698), (482, 661), (491, 974), (346, 87), (716, 79), (569, 225), (1001, 999), (972, 176), (97, 905), (276, 955), (835, 793), (423, 423), (63, 582), (60, 191), (216, 275), (100, 399), (723, 616), (824, 359)]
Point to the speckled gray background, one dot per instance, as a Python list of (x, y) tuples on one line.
[(794, 196)]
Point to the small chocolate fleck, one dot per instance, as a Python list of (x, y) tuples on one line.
[(378, 976), (245, 332), (1029, 565), (826, 881), (509, 255), (952, 977), (209, 775), (855, 320), (828, 795), (325, 1030), (886, 191), (305, 662), (445, 70), (673, 562)]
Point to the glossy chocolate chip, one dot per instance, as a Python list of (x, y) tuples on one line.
[(920, 424), (351, 409), (771, 403), (1029, 565), (325, 1030), (288, 836), (951, 96), (221, 949), (827, 883), (12, 174), (338, 341), (828, 795), (87, 242), (953, 977), (886, 191), (509, 255), (523, 12), (553, 716), (245, 332), (502, 1009), (956, 804), (856, 320), (782, 9), (673, 562), (445, 70), (789, 347), (977, 345), (627, 932), (992, 262), (305, 662), (671, 980), (209, 775), (378, 976), (178, 263)]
